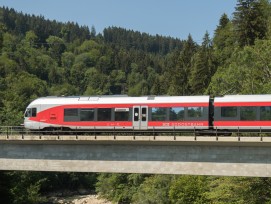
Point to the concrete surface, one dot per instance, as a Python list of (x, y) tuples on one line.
[(145, 154)]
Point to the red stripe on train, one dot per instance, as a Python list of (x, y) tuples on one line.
[(227, 104), (177, 123), (242, 123), (130, 123)]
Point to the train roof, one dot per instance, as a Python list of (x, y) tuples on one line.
[(119, 100), (243, 98)]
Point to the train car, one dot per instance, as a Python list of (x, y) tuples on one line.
[(244, 112), (118, 112)]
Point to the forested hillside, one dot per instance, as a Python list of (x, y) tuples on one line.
[(39, 57)]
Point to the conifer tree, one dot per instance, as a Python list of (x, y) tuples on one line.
[(203, 67), (250, 20)]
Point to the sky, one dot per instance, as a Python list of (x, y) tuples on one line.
[(174, 18)]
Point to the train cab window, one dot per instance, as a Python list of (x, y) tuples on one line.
[(195, 112), (176, 113), (265, 113), (248, 113), (229, 112), (104, 114), (121, 114), (159, 114), (87, 114), (30, 112)]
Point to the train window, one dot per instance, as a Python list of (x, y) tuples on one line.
[(104, 114), (228, 112), (144, 114), (121, 114), (136, 114), (176, 113), (34, 112), (158, 114), (87, 114), (248, 113), (69, 112), (30, 112), (195, 112), (265, 113)]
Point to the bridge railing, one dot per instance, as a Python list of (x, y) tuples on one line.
[(20, 130)]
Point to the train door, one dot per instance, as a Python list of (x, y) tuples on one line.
[(140, 117)]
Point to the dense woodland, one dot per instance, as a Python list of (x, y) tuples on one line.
[(39, 57)]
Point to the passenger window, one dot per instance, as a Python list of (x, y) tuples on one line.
[(104, 114), (195, 112), (265, 113), (248, 113), (228, 112), (159, 114), (176, 113), (87, 114), (71, 114), (121, 114)]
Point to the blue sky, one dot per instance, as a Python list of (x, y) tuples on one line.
[(175, 18)]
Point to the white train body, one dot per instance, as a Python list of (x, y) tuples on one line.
[(119, 112)]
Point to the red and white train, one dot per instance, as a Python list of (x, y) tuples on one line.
[(233, 112)]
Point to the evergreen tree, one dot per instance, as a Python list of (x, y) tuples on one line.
[(203, 67), (180, 74), (250, 20)]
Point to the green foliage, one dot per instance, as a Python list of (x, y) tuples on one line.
[(181, 72), (5, 185), (239, 190), (118, 187), (203, 67), (27, 191), (40, 57), (250, 20), (154, 190), (189, 189), (248, 72)]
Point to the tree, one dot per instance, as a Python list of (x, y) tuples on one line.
[(203, 67), (5, 185), (248, 73), (250, 20), (188, 189), (93, 32), (224, 41), (180, 74), (25, 88), (154, 190), (56, 47)]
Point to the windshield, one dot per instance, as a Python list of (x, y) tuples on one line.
[(30, 112)]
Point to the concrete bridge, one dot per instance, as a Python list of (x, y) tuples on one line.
[(222, 156)]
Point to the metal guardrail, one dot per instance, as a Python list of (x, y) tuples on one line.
[(20, 130), (188, 137)]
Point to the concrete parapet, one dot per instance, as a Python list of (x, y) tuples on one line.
[(250, 139), (206, 139), (138, 158), (266, 139), (228, 139), (186, 138)]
